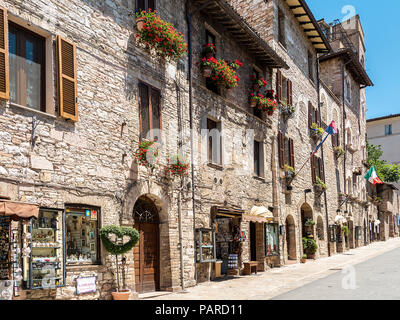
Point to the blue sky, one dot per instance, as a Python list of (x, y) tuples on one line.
[(381, 24)]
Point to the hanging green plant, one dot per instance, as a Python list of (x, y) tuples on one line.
[(346, 230), (309, 223), (147, 153)]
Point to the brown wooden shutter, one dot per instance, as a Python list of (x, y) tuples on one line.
[(290, 92), (337, 138), (281, 150), (310, 114), (291, 150), (67, 79), (334, 140), (321, 169), (279, 85), (313, 169), (317, 119), (4, 71)]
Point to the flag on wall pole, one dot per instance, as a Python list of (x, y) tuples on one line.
[(372, 176), (331, 130)]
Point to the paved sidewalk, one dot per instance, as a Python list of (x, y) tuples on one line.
[(277, 281)]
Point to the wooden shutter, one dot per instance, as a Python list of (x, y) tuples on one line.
[(279, 85), (310, 114), (290, 93), (281, 150), (291, 151), (321, 169), (317, 119), (334, 140), (67, 79), (313, 169), (337, 138), (4, 71)]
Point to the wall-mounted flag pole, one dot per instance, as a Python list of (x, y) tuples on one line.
[(331, 130), (372, 176)]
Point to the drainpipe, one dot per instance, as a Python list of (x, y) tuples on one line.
[(189, 23), (323, 167), (180, 234)]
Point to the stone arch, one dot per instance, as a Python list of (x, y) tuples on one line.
[(150, 216), (306, 213), (290, 226)]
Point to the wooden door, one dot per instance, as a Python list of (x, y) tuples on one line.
[(253, 242), (146, 257)]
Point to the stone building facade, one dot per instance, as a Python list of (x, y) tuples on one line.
[(53, 162)]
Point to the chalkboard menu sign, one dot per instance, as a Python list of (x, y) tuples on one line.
[(4, 248)]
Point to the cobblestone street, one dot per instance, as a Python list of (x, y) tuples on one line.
[(275, 282)]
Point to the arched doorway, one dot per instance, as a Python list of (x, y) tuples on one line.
[(306, 215), (290, 227), (147, 252)]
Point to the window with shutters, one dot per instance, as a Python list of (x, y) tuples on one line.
[(286, 151), (258, 158), (281, 28), (145, 5), (27, 68), (284, 89), (317, 169), (313, 115), (310, 66), (150, 112), (214, 142)]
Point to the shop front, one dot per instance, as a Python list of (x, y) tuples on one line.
[(15, 251), (39, 244)]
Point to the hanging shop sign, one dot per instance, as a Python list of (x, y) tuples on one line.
[(86, 285), (93, 215)]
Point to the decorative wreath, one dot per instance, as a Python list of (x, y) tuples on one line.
[(120, 232)]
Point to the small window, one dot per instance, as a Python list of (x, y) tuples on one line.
[(150, 113), (285, 92), (82, 240), (258, 159), (388, 130), (214, 142), (271, 240), (145, 5), (210, 38), (27, 68), (310, 66), (281, 28)]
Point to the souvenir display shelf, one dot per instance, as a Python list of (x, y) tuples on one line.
[(5, 227), (205, 245), (47, 263)]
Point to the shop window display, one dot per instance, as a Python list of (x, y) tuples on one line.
[(82, 235), (271, 240), (205, 243), (47, 254), (4, 248)]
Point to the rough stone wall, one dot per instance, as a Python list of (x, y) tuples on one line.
[(92, 161)]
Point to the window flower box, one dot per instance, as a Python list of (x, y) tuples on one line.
[(339, 151), (289, 172), (286, 109), (258, 83), (224, 75), (160, 35), (269, 105), (207, 66), (320, 186), (255, 99), (316, 131), (147, 153)]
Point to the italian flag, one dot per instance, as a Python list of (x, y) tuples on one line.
[(373, 177)]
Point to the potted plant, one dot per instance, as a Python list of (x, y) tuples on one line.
[(316, 131), (310, 247), (255, 99), (269, 105), (286, 109), (320, 185), (235, 65), (224, 75), (140, 20), (258, 83), (339, 151), (178, 165), (207, 66), (303, 258), (161, 36), (117, 248), (289, 172), (209, 50), (147, 153)]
